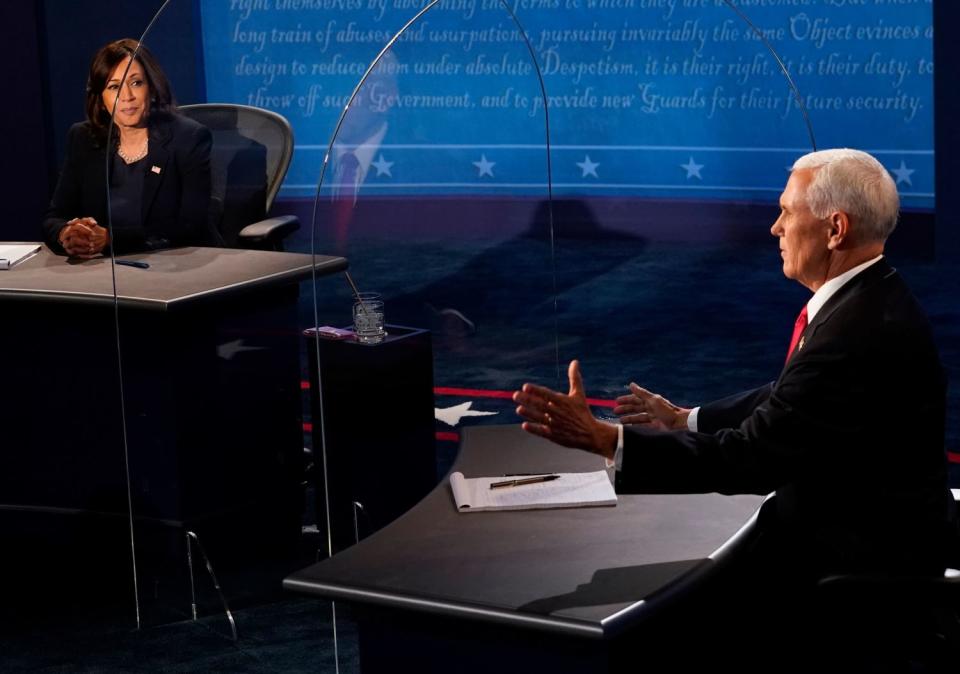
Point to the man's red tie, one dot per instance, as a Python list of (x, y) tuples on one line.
[(344, 198), (798, 329)]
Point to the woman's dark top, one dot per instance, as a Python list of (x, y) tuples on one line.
[(174, 188), (126, 193)]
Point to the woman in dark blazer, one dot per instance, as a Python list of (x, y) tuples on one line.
[(159, 165)]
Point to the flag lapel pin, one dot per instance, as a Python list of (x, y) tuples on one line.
[(155, 169)]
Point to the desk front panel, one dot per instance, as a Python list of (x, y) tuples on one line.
[(571, 569)]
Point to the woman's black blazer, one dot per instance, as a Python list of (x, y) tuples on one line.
[(176, 187)]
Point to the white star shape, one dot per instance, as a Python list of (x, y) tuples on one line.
[(587, 167), (484, 167), (228, 350), (693, 169), (451, 416), (382, 166), (903, 174)]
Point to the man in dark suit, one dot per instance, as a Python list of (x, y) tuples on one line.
[(850, 436)]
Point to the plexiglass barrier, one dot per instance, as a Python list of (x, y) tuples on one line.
[(210, 338), (436, 188), (601, 192), (667, 271), (64, 479), (437, 191)]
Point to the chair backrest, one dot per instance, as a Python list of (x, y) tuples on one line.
[(252, 148)]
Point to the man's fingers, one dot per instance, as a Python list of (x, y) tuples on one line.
[(532, 414), (543, 392), (639, 418), (620, 410), (576, 379), (640, 392), (536, 429)]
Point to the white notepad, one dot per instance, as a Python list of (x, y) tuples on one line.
[(569, 490), (15, 253)]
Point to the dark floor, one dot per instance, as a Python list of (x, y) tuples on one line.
[(692, 322)]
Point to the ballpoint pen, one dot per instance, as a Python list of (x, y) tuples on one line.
[(526, 480), (133, 263)]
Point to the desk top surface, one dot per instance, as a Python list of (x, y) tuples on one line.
[(176, 277), (585, 571)]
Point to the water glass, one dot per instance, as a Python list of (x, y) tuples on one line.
[(368, 318)]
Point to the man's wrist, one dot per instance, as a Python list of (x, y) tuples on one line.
[(607, 439), (680, 423)]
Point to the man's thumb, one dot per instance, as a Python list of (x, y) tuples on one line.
[(576, 379)]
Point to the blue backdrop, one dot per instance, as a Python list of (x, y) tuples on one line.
[(664, 98)]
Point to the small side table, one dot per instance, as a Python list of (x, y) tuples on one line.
[(378, 420)]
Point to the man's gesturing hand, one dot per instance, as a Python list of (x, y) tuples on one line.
[(642, 407), (565, 419)]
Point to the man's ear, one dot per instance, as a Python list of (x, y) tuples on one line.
[(838, 232)]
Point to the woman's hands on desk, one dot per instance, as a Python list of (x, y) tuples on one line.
[(83, 238)]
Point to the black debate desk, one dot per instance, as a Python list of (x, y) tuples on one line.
[(537, 590), (211, 380)]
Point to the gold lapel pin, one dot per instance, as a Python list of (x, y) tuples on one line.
[(802, 342), (155, 169)]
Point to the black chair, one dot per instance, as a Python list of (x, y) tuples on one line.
[(921, 615), (251, 152)]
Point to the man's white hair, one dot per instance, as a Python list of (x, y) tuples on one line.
[(856, 183)]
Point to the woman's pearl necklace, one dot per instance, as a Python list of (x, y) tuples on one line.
[(140, 155)]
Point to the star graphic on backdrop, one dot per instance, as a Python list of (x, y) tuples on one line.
[(693, 169), (484, 167), (382, 166), (451, 416), (903, 174), (228, 350), (589, 168)]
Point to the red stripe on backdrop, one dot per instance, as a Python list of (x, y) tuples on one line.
[(485, 393), (952, 457), (471, 392), (507, 395)]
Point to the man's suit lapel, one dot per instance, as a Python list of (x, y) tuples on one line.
[(157, 160), (866, 279)]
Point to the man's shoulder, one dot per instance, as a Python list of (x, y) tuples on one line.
[(869, 295)]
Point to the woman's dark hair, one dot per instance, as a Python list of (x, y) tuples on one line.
[(104, 62)]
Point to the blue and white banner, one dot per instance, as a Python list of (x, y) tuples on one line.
[(660, 98)]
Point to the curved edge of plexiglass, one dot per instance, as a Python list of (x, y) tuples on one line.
[(411, 261), (533, 341)]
